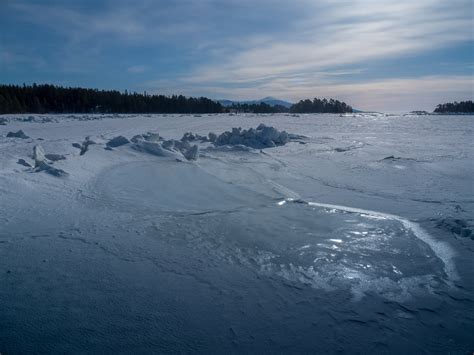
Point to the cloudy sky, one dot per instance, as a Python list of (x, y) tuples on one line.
[(386, 55)]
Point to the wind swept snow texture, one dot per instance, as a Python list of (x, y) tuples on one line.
[(354, 238)]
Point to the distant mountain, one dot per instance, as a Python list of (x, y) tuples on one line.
[(268, 100), (274, 102), (226, 103)]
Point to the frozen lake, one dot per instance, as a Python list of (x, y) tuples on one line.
[(357, 238)]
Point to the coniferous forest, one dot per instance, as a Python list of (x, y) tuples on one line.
[(320, 106), (46, 98), (56, 99), (456, 107)]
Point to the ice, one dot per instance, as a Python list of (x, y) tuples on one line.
[(47, 168), (18, 134), (261, 137), (181, 150), (44, 164), (55, 157), (24, 163), (117, 142), (84, 146), (38, 154), (361, 235), (192, 153)]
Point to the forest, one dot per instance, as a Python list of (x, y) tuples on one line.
[(47, 98), (455, 107), (320, 106), (56, 99)]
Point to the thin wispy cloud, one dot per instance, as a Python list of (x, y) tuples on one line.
[(137, 69), (240, 49), (389, 29)]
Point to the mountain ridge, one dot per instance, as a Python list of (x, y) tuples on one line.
[(269, 100)]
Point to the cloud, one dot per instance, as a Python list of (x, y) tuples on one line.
[(11, 58), (349, 33), (316, 58), (133, 22), (391, 95), (248, 48), (137, 69)]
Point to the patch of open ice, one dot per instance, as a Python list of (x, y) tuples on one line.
[(442, 250)]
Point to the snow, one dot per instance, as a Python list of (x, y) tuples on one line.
[(349, 233)]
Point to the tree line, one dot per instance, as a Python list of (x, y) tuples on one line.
[(47, 98), (456, 107), (57, 99), (320, 106)]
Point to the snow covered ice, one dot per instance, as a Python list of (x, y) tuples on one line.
[(345, 232)]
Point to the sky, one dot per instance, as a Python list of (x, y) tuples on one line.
[(381, 55)]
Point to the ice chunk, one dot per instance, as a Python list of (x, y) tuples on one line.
[(117, 142), (137, 138), (18, 134), (85, 145), (24, 163), (38, 154), (55, 157), (261, 137), (212, 137), (152, 137), (157, 149), (192, 153), (43, 166), (170, 148), (169, 144), (41, 163)]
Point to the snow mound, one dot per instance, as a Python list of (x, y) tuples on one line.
[(180, 150), (259, 138), (146, 186)]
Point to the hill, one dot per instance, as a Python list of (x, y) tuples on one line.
[(266, 100)]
